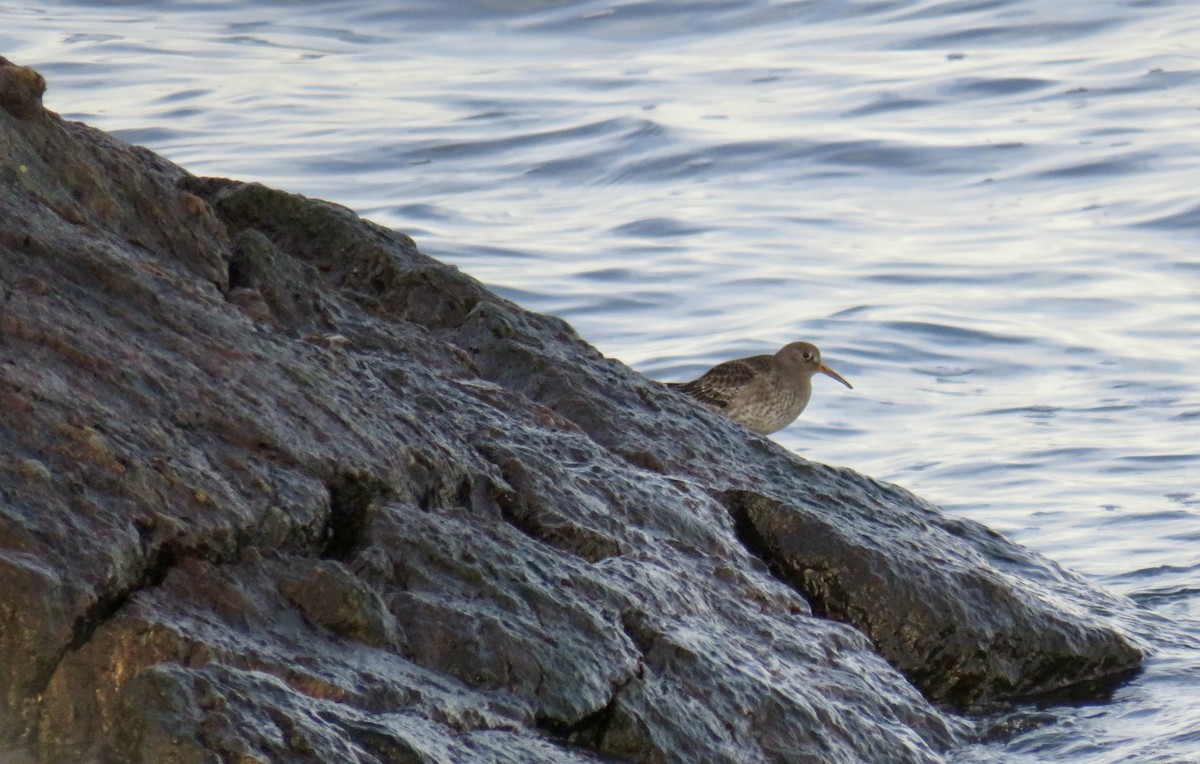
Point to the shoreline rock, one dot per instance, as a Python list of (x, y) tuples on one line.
[(279, 486)]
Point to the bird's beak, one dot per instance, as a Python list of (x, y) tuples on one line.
[(826, 370)]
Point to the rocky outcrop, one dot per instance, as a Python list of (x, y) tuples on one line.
[(278, 487)]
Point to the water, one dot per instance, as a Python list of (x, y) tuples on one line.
[(984, 211)]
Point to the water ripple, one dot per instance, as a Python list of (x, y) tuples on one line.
[(657, 228)]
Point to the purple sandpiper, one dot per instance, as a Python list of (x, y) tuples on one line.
[(764, 393)]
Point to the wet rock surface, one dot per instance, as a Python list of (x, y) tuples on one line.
[(278, 487)]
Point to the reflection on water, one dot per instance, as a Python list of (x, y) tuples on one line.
[(984, 214)]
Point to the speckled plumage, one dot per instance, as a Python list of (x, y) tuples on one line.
[(764, 393)]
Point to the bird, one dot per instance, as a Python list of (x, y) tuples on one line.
[(763, 393)]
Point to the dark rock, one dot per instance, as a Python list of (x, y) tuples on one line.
[(962, 633), (330, 596), (277, 487), (21, 90)]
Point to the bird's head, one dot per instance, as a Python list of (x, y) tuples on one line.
[(805, 358)]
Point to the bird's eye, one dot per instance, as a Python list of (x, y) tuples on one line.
[(808, 356)]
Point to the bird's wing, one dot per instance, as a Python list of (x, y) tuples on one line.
[(717, 386)]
